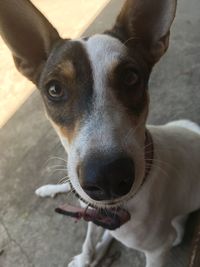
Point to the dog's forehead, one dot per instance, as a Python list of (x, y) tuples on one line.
[(104, 53), (98, 50), (103, 48)]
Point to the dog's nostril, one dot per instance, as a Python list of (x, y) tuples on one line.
[(92, 188), (95, 192), (123, 183)]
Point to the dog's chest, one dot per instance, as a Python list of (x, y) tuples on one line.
[(139, 232), (133, 234)]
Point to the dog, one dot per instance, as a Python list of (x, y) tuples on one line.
[(137, 182)]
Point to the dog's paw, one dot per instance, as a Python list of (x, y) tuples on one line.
[(51, 190), (80, 261), (46, 191)]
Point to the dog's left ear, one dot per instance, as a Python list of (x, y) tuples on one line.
[(146, 23), (28, 34)]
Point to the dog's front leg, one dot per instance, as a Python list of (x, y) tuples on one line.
[(158, 257), (85, 258), (51, 190), (94, 247), (102, 247), (155, 258)]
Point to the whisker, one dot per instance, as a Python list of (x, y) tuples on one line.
[(161, 162), (55, 166), (85, 211), (132, 131), (115, 212), (59, 170), (71, 192), (63, 180), (148, 145), (130, 39), (52, 158), (106, 211), (159, 167)]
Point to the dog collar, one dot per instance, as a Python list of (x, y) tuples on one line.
[(148, 154)]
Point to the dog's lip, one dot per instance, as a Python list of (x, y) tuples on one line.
[(110, 219)]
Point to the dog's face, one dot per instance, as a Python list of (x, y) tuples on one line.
[(95, 94), (94, 90)]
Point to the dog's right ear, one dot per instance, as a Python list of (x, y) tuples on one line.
[(145, 25), (28, 34)]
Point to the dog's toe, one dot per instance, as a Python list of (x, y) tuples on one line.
[(80, 261)]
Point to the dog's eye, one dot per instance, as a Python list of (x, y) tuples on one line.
[(55, 91), (130, 77)]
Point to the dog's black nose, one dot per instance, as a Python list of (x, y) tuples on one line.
[(106, 178)]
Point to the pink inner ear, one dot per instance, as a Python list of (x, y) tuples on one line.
[(160, 47)]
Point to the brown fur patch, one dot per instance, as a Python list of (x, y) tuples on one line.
[(134, 97), (68, 133), (69, 64), (67, 69)]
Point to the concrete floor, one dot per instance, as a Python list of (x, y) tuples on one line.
[(31, 234)]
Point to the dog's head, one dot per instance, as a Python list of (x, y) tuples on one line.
[(94, 90)]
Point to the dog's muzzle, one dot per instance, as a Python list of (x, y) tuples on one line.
[(103, 178), (106, 177)]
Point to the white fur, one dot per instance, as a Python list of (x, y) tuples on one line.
[(51, 190), (185, 124), (175, 178)]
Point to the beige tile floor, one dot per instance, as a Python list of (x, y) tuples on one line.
[(65, 16)]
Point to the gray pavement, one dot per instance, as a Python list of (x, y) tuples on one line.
[(31, 234)]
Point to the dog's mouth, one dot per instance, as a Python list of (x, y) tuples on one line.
[(110, 219)]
